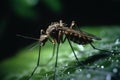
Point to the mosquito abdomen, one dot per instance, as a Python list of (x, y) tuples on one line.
[(78, 37), (80, 40)]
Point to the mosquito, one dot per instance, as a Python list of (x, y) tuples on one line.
[(57, 33)]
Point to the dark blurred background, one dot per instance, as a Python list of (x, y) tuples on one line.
[(27, 17)]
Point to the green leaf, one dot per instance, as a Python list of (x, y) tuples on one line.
[(96, 64)]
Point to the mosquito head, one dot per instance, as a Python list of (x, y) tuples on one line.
[(43, 38)]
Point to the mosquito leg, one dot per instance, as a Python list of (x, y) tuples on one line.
[(37, 63), (54, 78), (72, 24), (79, 63), (98, 49), (52, 54)]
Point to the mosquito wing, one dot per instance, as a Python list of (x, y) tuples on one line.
[(34, 45), (91, 35)]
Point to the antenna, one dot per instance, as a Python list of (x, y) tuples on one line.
[(27, 37)]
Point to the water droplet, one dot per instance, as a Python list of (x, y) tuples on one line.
[(66, 64), (117, 60), (72, 79), (46, 75), (98, 66), (108, 77), (113, 54), (117, 42), (112, 51), (115, 70), (105, 59), (102, 67), (68, 72), (95, 64), (116, 48), (109, 59), (112, 60), (80, 69), (88, 75)]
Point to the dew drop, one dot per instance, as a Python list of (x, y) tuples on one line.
[(117, 41), (72, 79), (112, 51), (102, 67), (46, 75), (109, 59), (88, 75), (112, 60), (98, 66), (68, 72), (66, 64), (108, 77), (95, 64), (117, 60), (115, 70), (105, 59), (116, 48), (80, 69), (113, 54)]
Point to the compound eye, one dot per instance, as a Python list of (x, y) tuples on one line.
[(53, 31), (43, 39)]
